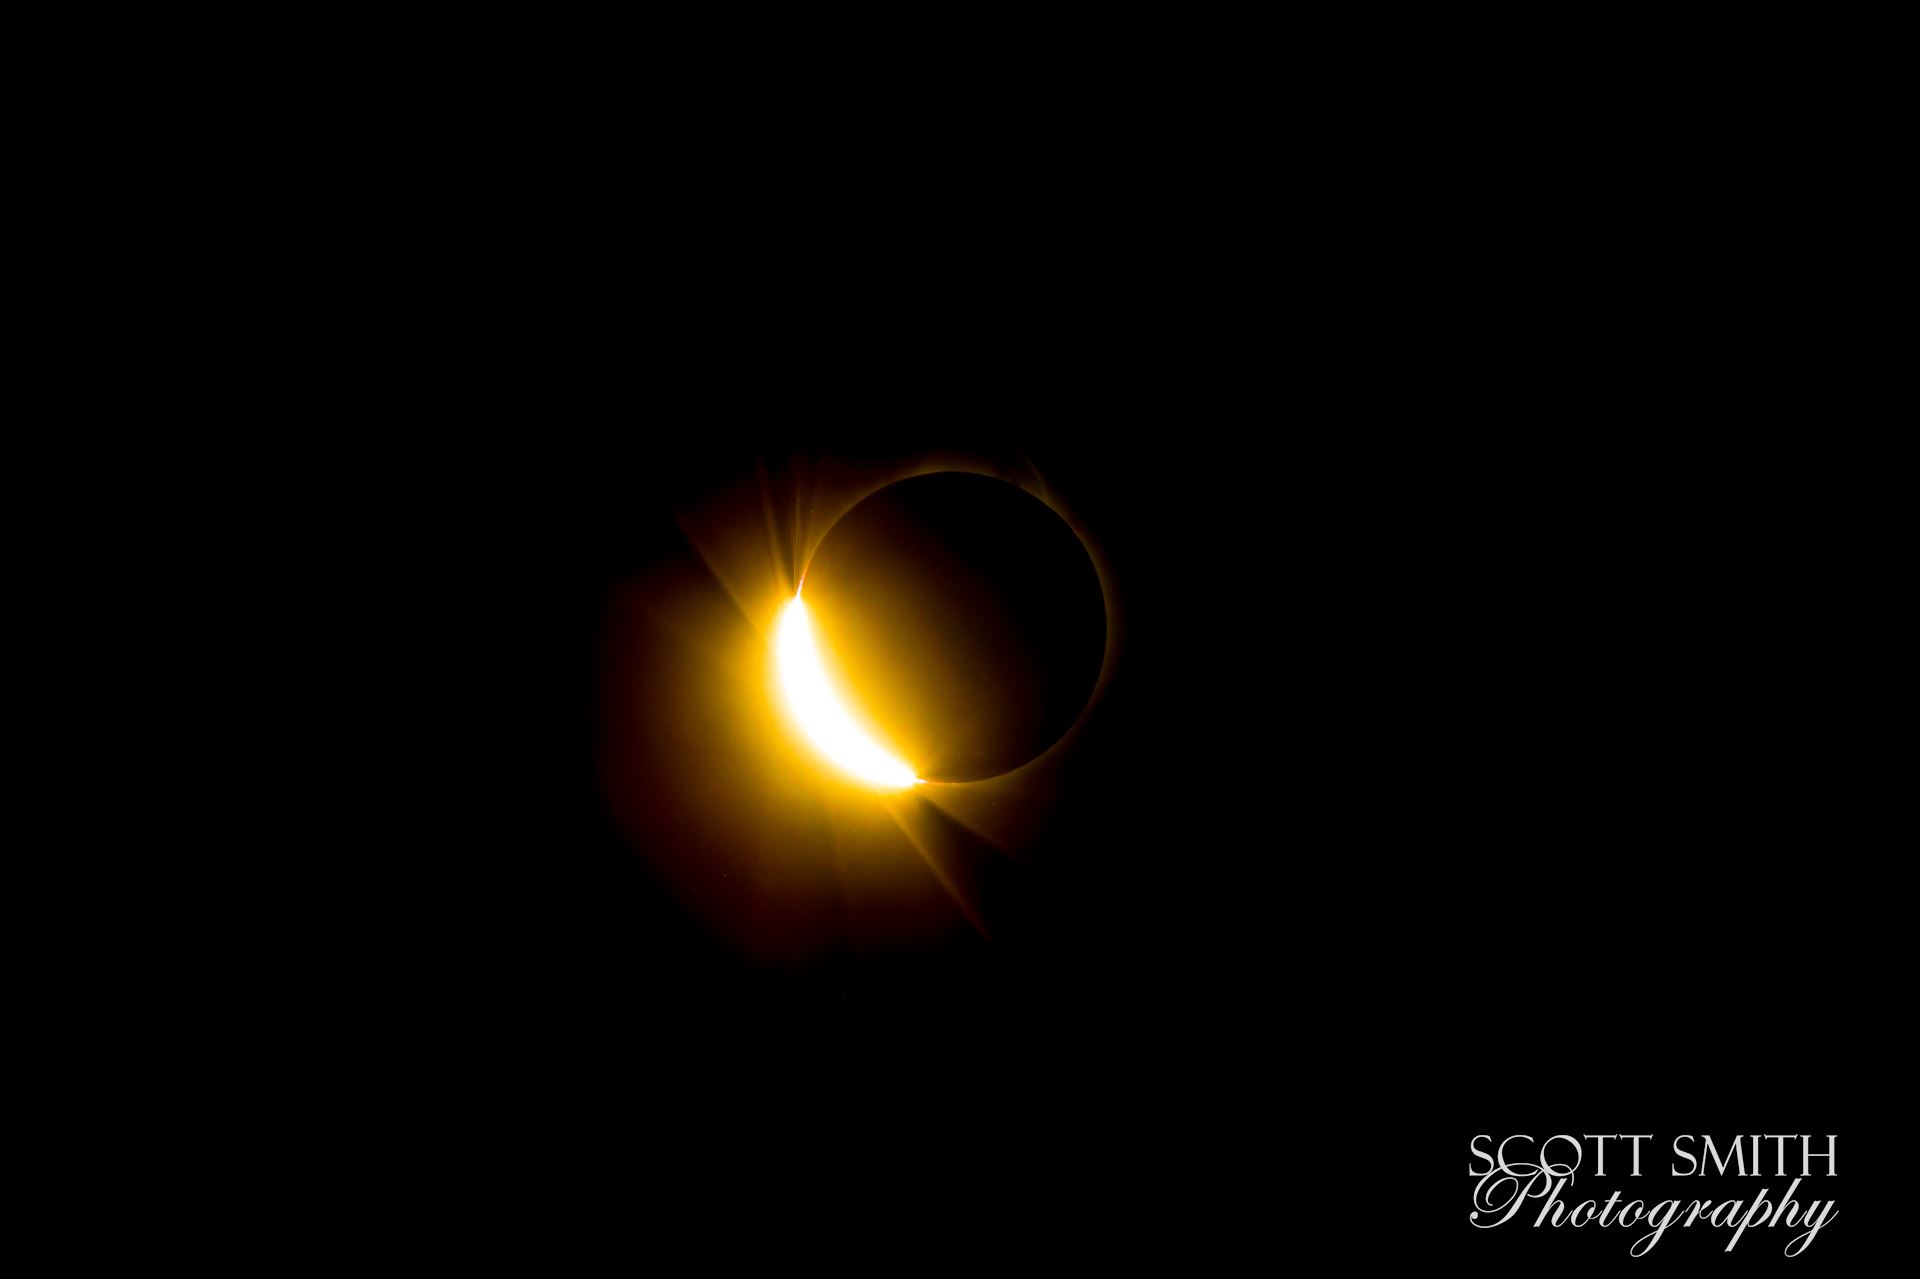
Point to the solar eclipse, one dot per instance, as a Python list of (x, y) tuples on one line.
[(829, 718)]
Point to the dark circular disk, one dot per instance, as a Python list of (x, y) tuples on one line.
[(964, 616)]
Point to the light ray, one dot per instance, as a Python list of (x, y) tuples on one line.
[(940, 876)]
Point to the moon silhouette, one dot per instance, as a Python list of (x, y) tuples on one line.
[(964, 616)]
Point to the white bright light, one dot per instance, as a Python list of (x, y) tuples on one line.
[(819, 712)]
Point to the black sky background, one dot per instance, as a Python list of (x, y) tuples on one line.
[(1487, 754), (1454, 781)]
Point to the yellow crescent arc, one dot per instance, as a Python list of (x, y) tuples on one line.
[(819, 712)]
